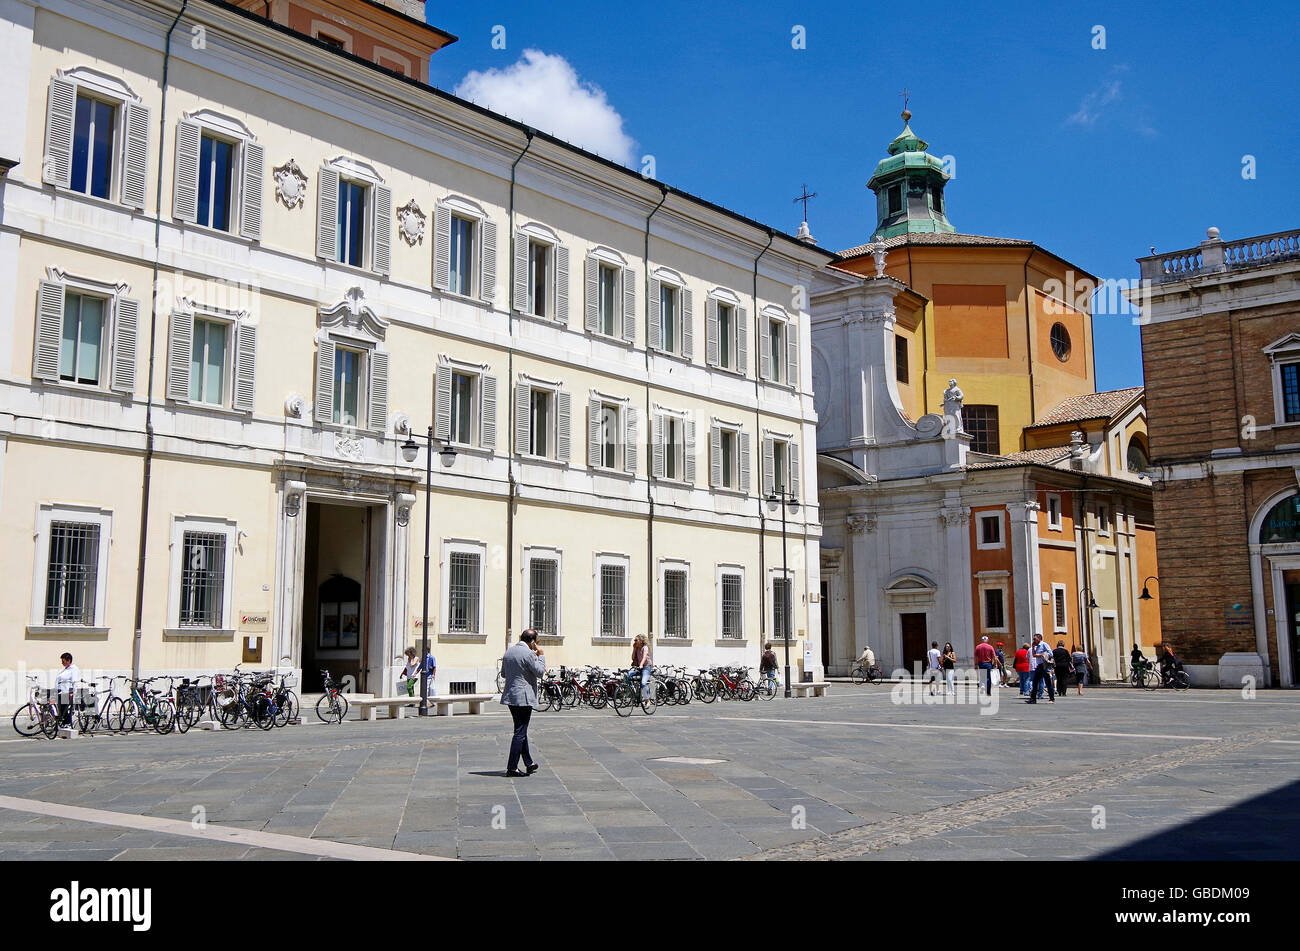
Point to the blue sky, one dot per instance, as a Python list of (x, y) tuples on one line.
[(1094, 154)]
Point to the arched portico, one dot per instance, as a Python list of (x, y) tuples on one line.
[(1275, 575)]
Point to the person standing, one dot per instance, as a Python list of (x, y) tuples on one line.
[(1002, 664), (65, 687), (410, 674), (767, 664), (950, 669), (935, 659), (1062, 662), (1040, 660), (1021, 665), (985, 657), (430, 669), (521, 666), (641, 662), (1081, 667)]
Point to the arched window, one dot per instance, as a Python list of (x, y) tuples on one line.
[(1136, 460), (1282, 523)]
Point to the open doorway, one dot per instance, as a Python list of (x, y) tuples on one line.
[(912, 630)]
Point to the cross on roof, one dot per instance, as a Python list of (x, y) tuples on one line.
[(905, 94), (804, 198)]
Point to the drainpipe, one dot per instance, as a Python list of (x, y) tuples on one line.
[(510, 401), (758, 444), (649, 422), (147, 480)]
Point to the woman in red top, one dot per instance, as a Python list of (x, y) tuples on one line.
[(1022, 668)]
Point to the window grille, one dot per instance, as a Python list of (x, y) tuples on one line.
[(73, 574), (543, 595), (675, 604), (463, 611), (982, 424), (1059, 597), (613, 600), (462, 687), (781, 608), (203, 568), (732, 605)]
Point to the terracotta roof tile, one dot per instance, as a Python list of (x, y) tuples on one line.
[(937, 239), (1101, 405)]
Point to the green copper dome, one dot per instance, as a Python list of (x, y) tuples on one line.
[(909, 188)]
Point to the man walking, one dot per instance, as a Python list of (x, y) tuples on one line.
[(1040, 659), (935, 659), (521, 666), (1002, 664), (985, 658)]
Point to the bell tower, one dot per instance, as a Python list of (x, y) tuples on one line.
[(909, 188)]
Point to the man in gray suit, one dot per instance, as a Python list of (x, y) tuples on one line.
[(521, 666)]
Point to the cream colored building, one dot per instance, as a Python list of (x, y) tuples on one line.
[(319, 258)]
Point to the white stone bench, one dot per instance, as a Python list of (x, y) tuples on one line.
[(441, 705), (814, 688)]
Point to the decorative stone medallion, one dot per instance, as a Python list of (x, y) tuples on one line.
[(411, 223), (290, 184)]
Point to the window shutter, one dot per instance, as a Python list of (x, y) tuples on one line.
[(382, 259), (768, 461), (488, 287), (744, 463), (49, 331), (715, 456), (126, 332), (245, 367), (792, 354), (629, 305), (653, 316), (250, 191), (377, 408), (630, 437), (689, 450), (561, 284), (521, 272), (593, 432), (591, 313), (792, 454), (135, 155), (523, 402), (185, 190), (59, 115), (711, 332), (742, 341), (323, 408), (764, 354), (180, 346), (487, 426), (327, 222), (688, 323), (441, 247), (563, 417), (442, 403), (657, 447)]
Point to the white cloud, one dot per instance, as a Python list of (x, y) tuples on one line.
[(544, 91), (1090, 109)]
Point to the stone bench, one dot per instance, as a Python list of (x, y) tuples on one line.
[(813, 688), (441, 705)]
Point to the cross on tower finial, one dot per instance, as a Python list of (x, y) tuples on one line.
[(906, 94), (804, 198)]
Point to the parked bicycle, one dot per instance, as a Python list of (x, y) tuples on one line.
[(332, 707), (40, 715)]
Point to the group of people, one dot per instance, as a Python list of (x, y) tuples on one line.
[(1164, 657), (1039, 666)]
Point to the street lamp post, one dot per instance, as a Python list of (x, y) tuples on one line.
[(784, 500), (1146, 595), (410, 450), (1087, 622)]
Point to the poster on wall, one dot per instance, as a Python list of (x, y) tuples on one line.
[(350, 624), (329, 627)]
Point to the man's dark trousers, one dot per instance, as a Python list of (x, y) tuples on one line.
[(1040, 674), (519, 742), (988, 678)]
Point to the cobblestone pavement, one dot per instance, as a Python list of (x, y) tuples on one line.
[(1115, 774)]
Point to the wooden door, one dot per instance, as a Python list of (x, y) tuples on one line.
[(913, 636)]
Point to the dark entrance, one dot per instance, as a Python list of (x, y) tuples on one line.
[(337, 593), (826, 626), (913, 629), (1292, 579)]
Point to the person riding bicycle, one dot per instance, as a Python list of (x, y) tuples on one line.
[(1169, 664), (868, 658), (767, 664)]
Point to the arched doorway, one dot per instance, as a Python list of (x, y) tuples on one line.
[(1275, 577), (910, 598)]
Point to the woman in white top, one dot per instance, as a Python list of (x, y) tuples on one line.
[(410, 673)]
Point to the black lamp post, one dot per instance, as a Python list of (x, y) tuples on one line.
[(785, 500), (1146, 595), (410, 450)]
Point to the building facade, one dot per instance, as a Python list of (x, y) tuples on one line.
[(1221, 354), (245, 265)]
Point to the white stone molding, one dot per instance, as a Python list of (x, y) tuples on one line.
[(354, 317), (295, 407), (411, 221), (290, 184), (99, 81), (858, 524), (347, 446), (954, 517), (400, 423), (405, 501), (293, 496)]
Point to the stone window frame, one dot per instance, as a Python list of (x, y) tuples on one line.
[(773, 574), (533, 553), (980, 518), (180, 524), (46, 514), (1280, 353), (722, 570), (452, 546), (990, 581), (1058, 628), (599, 560), (666, 565), (1055, 525)]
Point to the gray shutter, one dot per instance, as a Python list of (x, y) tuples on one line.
[(715, 456), (653, 316), (688, 323), (382, 258), (689, 450), (250, 191), (180, 348), (593, 432), (563, 418), (657, 446), (185, 189), (744, 463), (135, 155), (126, 333), (742, 341), (523, 401), (59, 116), (768, 463), (442, 403), (245, 368), (377, 404), (49, 331), (323, 407), (327, 221), (711, 332), (488, 286), (792, 353), (521, 272), (631, 419), (487, 425), (764, 353), (441, 247), (561, 284), (629, 305), (591, 310), (792, 455)]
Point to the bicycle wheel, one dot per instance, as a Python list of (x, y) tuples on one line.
[(597, 697), (27, 720), (327, 709), (875, 675), (859, 675), (232, 715), (132, 717), (648, 703), (264, 713), (1151, 679), (288, 708), (1180, 680), (164, 717), (569, 696), (766, 689), (622, 700), (745, 690), (706, 690)]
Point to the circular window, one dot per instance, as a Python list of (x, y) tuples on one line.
[(1060, 342)]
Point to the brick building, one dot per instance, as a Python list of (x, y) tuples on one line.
[(1221, 355)]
